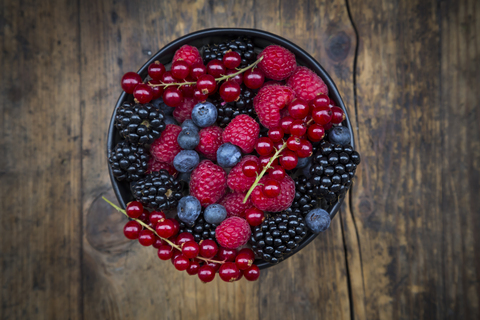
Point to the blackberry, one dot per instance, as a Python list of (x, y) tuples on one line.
[(243, 46), (305, 199), (333, 168), (158, 190), (201, 230), (140, 123), (129, 162), (278, 236), (229, 110)]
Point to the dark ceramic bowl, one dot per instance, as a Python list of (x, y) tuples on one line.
[(260, 39)]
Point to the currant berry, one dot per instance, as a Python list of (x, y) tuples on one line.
[(132, 230), (190, 249), (225, 254), (183, 238), (156, 216), (167, 78), (322, 100), (165, 252), (271, 188), (254, 78), (264, 146), (181, 263), (206, 273), (244, 259), (293, 143), (193, 268), (157, 243), (275, 134), (250, 168), (337, 115), (254, 216), (208, 248), (289, 160), (285, 123), (264, 160), (180, 69), (298, 128), (165, 228), (134, 209), (157, 91), (322, 115), (229, 272), (176, 226), (278, 145), (188, 90), (172, 97), (216, 68), (277, 173), (236, 78), (298, 109), (175, 254), (197, 94), (229, 91), (305, 149), (156, 70), (206, 84), (130, 81), (252, 273), (315, 132), (143, 93), (328, 126), (144, 217), (146, 238), (232, 60), (214, 265)]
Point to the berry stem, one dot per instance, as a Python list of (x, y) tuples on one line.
[(225, 77), (268, 166), (155, 232)]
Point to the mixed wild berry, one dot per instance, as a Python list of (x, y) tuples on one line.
[(234, 155)]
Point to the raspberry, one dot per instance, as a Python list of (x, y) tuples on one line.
[(233, 202), (268, 103), (237, 180), (189, 54), (210, 141), (155, 165), (306, 84), (165, 148), (278, 63), (208, 183), (233, 232), (281, 202), (184, 110), (242, 131)]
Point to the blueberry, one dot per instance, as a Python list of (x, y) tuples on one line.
[(303, 162), (188, 124), (228, 155), (184, 176), (318, 220), (189, 209), (204, 114), (186, 160), (170, 120), (340, 135), (168, 111), (215, 213), (188, 139)]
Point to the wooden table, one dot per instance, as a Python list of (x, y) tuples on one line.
[(405, 245)]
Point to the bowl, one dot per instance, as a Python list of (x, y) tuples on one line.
[(198, 39)]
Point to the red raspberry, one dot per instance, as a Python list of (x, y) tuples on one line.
[(208, 183), (242, 131), (279, 203), (268, 103), (233, 202), (233, 232), (306, 84), (278, 63), (189, 54), (184, 110), (237, 180), (165, 148), (155, 165), (210, 141), (273, 83)]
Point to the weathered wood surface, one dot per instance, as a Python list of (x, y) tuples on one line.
[(404, 246)]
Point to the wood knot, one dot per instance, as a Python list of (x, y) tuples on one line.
[(338, 46)]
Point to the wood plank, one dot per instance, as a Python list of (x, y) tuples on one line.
[(416, 202), (40, 193)]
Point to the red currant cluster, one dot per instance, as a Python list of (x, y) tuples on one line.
[(204, 259)]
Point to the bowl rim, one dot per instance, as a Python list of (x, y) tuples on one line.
[(300, 54)]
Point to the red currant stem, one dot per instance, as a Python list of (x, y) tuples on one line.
[(309, 122), (268, 166), (153, 230)]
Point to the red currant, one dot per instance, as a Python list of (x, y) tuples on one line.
[(157, 91), (165, 252), (298, 109), (229, 91), (264, 146), (167, 77), (197, 94), (305, 149), (254, 216), (289, 160), (132, 230), (278, 145), (232, 59), (172, 97), (130, 81), (275, 134), (315, 132), (184, 237), (181, 263), (176, 226), (198, 70), (134, 209), (143, 93), (271, 188), (208, 249), (277, 173), (165, 228), (252, 273), (225, 254), (144, 217), (298, 128), (254, 79), (156, 216), (180, 69), (244, 259), (322, 115), (157, 243), (293, 143), (193, 268), (285, 123), (190, 249), (216, 68), (175, 254), (237, 78), (146, 238), (206, 84), (264, 160), (206, 273), (188, 90), (155, 70), (229, 272), (322, 100), (337, 115), (250, 168), (214, 265), (328, 126)]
